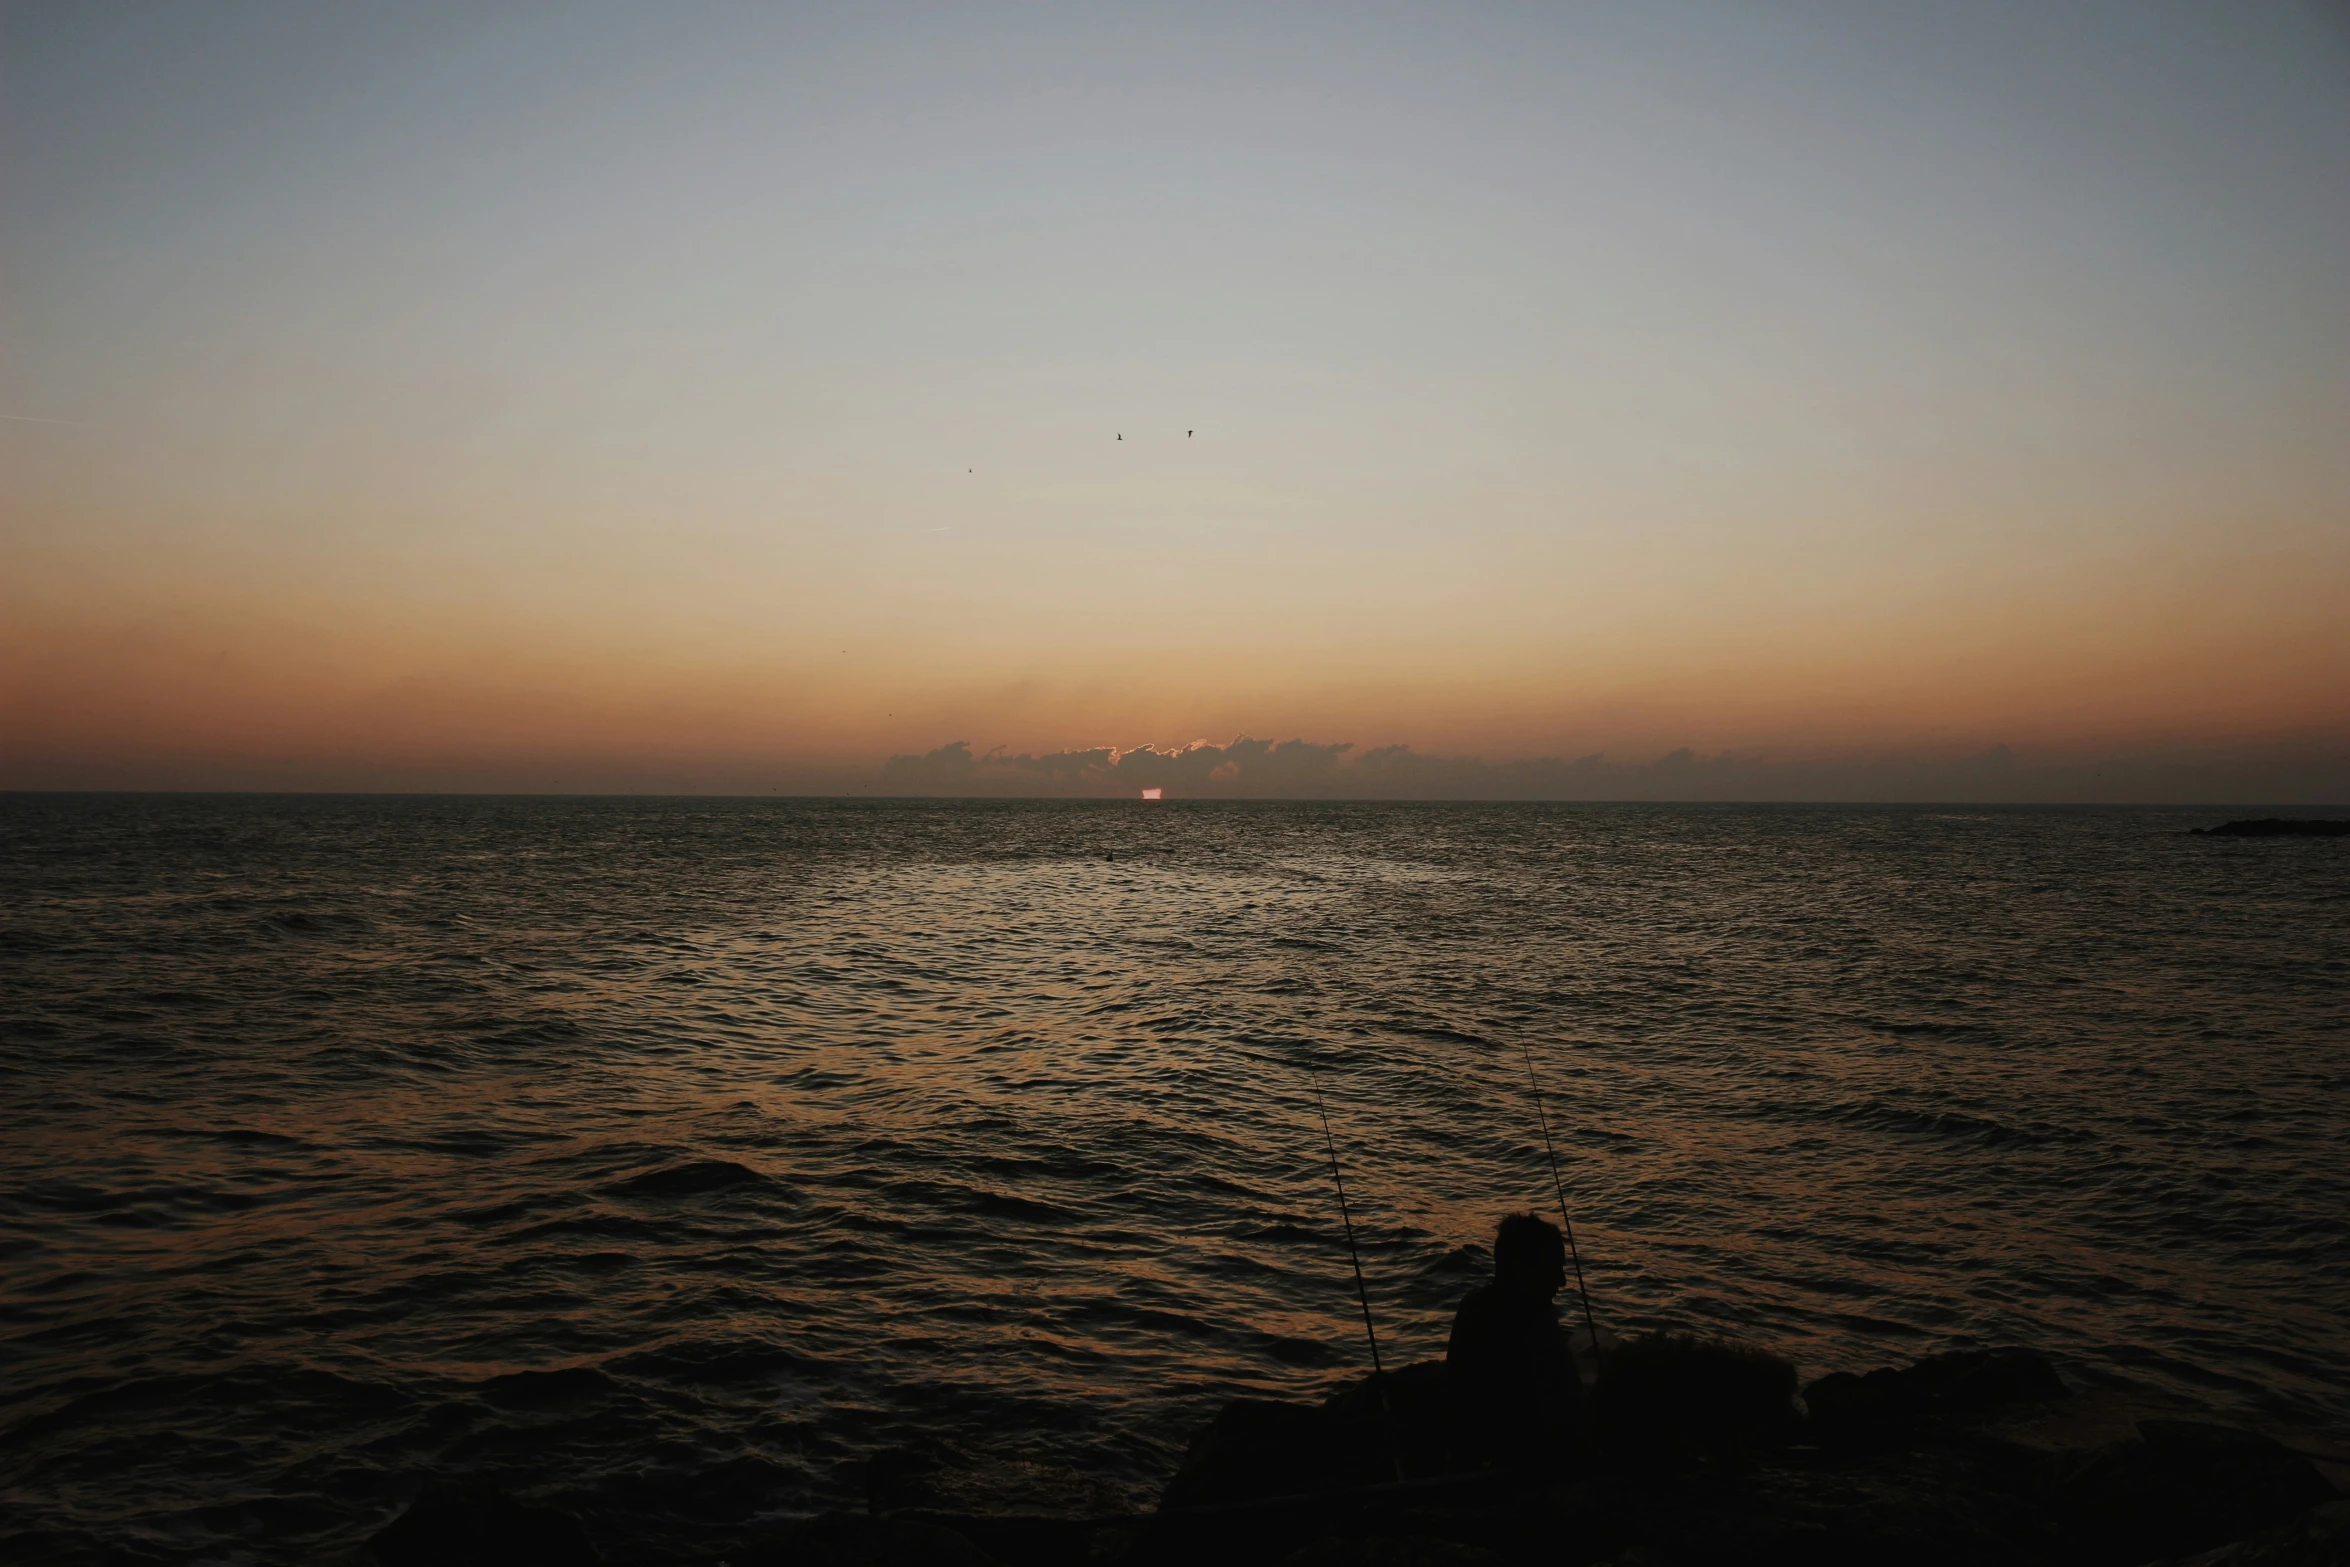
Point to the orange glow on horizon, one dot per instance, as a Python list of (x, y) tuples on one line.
[(742, 439)]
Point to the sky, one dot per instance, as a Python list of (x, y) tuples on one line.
[(1803, 400)]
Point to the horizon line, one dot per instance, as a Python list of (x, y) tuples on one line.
[(1135, 800)]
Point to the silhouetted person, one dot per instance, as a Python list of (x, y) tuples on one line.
[(1517, 1398)]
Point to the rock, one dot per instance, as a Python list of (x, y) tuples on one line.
[(1033, 1540), (1254, 1448), (1863, 1411), (1937, 1508), (1591, 1346), (1673, 1396), (1980, 1458), (1888, 1406), (1361, 1435), (1408, 1550), (856, 1540), (1970, 1382), (462, 1525), (2320, 1537), (2051, 1436), (1412, 1434), (2179, 1487)]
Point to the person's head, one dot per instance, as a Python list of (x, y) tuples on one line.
[(1528, 1254)]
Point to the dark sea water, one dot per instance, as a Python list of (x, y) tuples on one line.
[(666, 1158)]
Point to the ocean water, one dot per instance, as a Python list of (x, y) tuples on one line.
[(668, 1158)]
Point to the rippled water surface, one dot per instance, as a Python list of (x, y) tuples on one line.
[(667, 1157)]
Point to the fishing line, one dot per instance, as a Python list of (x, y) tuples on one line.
[(1362, 1292), (1560, 1183)]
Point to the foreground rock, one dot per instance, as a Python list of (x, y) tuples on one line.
[(2179, 1487), (1701, 1457), (851, 1540), (2318, 1538), (1937, 1395), (476, 1526)]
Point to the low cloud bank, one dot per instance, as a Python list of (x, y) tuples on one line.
[(2282, 772)]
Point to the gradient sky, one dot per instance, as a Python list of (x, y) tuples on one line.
[(713, 396)]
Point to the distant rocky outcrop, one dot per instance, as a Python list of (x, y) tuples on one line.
[(2276, 827)]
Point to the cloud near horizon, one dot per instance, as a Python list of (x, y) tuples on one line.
[(2305, 771), (556, 399)]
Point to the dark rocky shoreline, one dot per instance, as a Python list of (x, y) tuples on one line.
[(1977, 1457)]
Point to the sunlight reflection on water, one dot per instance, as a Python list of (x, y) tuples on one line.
[(674, 1154)]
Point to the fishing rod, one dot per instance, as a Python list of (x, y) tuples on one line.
[(1560, 1182), (1362, 1293)]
